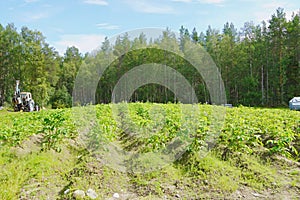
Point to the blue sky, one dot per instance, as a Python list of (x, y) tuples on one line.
[(85, 23)]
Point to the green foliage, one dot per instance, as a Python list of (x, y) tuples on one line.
[(241, 158), (26, 56), (20, 176), (56, 128), (61, 99), (16, 127), (260, 131), (151, 127)]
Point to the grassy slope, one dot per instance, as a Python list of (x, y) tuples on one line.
[(240, 165)]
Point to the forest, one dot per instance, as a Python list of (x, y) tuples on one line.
[(259, 64)]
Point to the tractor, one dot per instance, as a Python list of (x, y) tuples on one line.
[(22, 101)]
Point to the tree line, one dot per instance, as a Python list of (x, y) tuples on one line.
[(27, 57), (259, 64)]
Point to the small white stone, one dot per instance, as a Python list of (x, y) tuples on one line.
[(66, 191), (257, 195), (116, 196), (91, 193), (78, 194)]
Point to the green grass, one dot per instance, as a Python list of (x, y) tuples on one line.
[(32, 169)]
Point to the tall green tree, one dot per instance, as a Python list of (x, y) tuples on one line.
[(69, 68), (292, 60), (277, 36)]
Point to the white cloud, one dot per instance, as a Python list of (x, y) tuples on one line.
[(107, 26), (201, 1), (183, 1), (38, 16), (150, 7), (288, 8), (263, 15), (84, 42), (268, 9), (30, 1), (30, 17), (58, 30), (290, 13), (274, 5), (212, 1), (96, 2)]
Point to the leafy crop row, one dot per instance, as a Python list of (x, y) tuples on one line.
[(146, 127), (53, 125), (261, 131), (151, 127)]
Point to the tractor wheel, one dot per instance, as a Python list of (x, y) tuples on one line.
[(16, 108), (30, 106)]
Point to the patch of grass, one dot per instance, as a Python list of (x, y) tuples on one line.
[(295, 173), (13, 175), (227, 176), (88, 173), (259, 175), (31, 170), (212, 171), (156, 183)]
